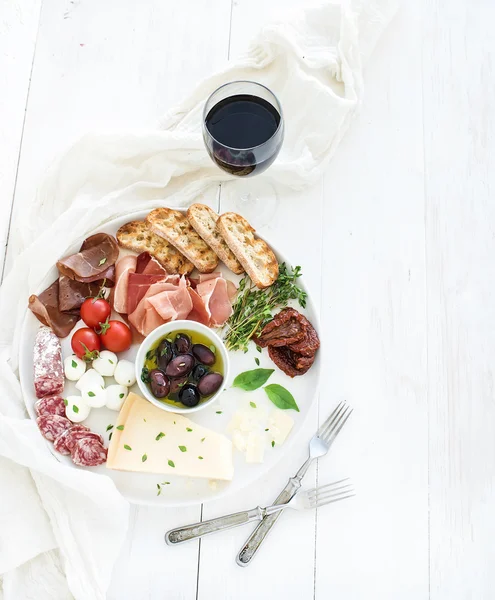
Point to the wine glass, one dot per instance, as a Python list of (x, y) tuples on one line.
[(243, 131)]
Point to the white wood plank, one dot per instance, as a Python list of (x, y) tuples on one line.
[(374, 322), (284, 567), (459, 99), (18, 28), (118, 66)]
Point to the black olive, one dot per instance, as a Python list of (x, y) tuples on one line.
[(189, 395), (180, 365), (177, 383), (164, 353), (159, 383), (209, 384), (182, 343), (199, 371), (203, 354)]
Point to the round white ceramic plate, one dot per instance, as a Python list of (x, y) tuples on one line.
[(141, 488)]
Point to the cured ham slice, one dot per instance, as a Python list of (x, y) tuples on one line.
[(145, 318), (148, 265), (214, 294), (199, 311), (94, 260), (72, 293), (173, 305), (138, 285), (46, 310), (124, 267)]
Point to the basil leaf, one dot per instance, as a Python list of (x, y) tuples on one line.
[(200, 457), (110, 436), (91, 394), (171, 463), (66, 402), (188, 429), (120, 427), (258, 348), (159, 436), (158, 487), (182, 448), (203, 439), (252, 405), (281, 397), (257, 360), (102, 262), (121, 395), (109, 427), (127, 447), (74, 364), (75, 408), (144, 458), (252, 380), (273, 443)]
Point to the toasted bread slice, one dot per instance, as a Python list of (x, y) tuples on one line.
[(173, 226), (204, 221), (137, 236), (254, 254)]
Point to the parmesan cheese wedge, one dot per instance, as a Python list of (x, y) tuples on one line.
[(149, 440)]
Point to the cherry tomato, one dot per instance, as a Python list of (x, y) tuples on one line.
[(115, 336), (95, 311), (85, 343)]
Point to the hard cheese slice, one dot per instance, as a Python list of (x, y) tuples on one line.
[(185, 448)]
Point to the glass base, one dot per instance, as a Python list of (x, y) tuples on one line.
[(257, 201)]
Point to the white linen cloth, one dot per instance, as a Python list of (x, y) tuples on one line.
[(61, 528)]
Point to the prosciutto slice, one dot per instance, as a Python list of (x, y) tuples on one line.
[(138, 285), (95, 260), (214, 294), (147, 265), (45, 309), (124, 267), (145, 318), (173, 305), (199, 311)]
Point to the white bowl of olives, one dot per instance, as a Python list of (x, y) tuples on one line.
[(181, 366)]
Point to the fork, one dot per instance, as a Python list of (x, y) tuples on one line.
[(303, 500), (318, 446)]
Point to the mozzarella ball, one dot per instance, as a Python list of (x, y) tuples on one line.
[(116, 395), (76, 409), (74, 368), (106, 363), (90, 381), (95, 397), (124, 373)]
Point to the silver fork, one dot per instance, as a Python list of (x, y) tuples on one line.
[(303, 500), (318, 446)]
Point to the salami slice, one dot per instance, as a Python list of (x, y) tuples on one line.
[(50, 405), (75, 435), (51, 426), (88, 452), (60, 443), (47, 359)]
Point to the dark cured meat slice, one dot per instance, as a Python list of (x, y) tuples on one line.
[(88, 452), (142, 261), (47, 361), (77, 434), (291, 363), (50, 405), (71, 293), (51, 426), (94, 261), (285, 328), (45, 309)]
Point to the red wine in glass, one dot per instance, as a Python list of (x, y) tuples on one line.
[(243, 128)]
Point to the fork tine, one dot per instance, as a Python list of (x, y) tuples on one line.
[(332, 433), (343, 490), (331, 418), (332, 499), (329, 486)]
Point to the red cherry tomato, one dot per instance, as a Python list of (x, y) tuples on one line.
[(95, 311), (85, 343), (115, 336)]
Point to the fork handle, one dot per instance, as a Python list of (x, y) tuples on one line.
[(255, 540), (196, 530)]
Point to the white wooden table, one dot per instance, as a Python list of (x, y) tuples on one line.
[(398, 244)]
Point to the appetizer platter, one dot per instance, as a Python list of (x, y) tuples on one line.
[(174, 351)]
